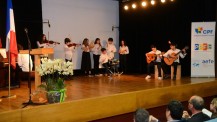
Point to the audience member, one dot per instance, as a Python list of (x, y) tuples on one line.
[(174, 111), (213, 108), (142, 115), (195, 105)]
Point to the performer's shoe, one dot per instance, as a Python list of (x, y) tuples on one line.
[(148, 77), (166, 76), (160, 78)]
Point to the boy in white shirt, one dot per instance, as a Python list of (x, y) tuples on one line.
[(104, 60), (157, 61), (111, 49), (180, 53), (69, 50)]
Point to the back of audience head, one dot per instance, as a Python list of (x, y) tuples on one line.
[(213, 105), (141, 115), (196, 103), (174, 110)]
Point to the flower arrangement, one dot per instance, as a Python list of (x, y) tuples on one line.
[(53, 73)]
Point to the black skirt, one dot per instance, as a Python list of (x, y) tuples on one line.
[(86, 61)]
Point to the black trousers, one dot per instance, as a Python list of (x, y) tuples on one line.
[(175, 64), (123, 63), (86, 63), (106, 65), (150, 65), (96, 63)]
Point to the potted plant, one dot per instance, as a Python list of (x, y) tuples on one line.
[(53, 73)]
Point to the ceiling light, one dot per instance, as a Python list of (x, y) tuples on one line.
[(144, 4), (134, 6), (152, 2)]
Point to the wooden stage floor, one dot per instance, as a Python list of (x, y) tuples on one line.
[(92, 87)]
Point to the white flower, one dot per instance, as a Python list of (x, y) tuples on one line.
[(49, 66)]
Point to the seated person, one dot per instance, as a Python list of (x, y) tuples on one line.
[(195, 105), (213, 108), (104, 60), (142, 115), (174, 111), (23, 60), (152, 63)]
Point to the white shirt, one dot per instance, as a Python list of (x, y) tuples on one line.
[(111, 49), (96, 49), (69, 52), (3, 52), (23, 62), (124, 50), (158, 52), (45, 45), (83, 48), (169, 52), (103, 58)]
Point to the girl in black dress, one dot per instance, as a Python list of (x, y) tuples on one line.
[(86, 61)]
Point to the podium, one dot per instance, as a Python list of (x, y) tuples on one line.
[(37, 61)]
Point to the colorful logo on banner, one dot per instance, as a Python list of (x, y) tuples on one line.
[(203, 47), (201, 30)]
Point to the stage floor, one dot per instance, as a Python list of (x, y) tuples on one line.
[(89, 87)]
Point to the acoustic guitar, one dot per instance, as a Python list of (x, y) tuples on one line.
[(151, 57), (169, 60)]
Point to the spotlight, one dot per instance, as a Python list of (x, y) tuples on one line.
[(171, 0), (144, 3), (126, 7), (134, 6), (163, 1), (152, 2)]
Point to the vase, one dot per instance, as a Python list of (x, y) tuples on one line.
[(56, 96)]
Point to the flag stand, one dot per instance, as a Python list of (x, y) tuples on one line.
[(9, 77)]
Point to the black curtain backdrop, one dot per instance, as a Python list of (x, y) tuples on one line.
[(160, 23), (27, 14), (140, 28)]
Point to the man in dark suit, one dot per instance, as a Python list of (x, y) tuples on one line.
[(195, 105), (174, 111)]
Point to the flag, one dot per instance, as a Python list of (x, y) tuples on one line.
[(11, 43), (0, 43)]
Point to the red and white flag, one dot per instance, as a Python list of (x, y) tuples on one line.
[(11, 43)]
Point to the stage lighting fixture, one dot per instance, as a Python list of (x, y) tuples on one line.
[(152, 2), (126, 7), (134, 6), (144, 4), (163, 1)]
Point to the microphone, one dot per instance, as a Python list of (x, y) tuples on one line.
[(48, 23), (26, 30)]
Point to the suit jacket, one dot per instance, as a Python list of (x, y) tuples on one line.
[(199, 117)]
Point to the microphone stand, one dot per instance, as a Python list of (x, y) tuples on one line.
[(30, 102)]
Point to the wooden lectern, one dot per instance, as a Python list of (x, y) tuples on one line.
[(37, 61)]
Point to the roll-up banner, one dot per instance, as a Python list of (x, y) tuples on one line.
[(203, 49)]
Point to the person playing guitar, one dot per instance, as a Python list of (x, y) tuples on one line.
[(171, 57), (153, 57)]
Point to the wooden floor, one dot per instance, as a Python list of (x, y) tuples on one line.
[(89, 87), (82, 88)]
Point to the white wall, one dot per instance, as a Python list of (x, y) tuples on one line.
[(79, 19)]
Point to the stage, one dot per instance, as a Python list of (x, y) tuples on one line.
[(91, 98)]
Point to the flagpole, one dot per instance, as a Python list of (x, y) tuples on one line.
[(9, 76)]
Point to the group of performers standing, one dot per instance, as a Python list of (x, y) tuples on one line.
[(103, 55)]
